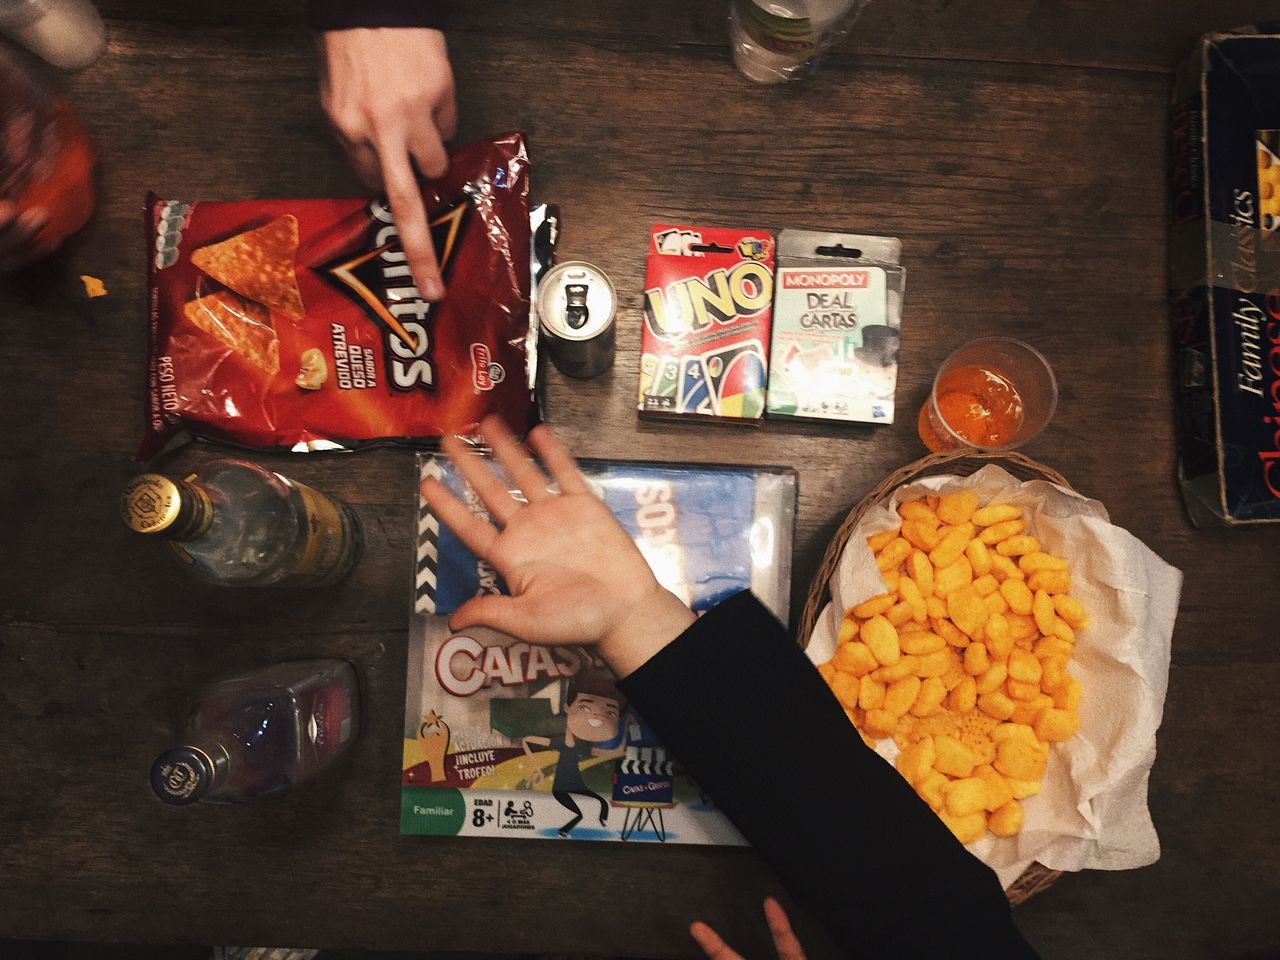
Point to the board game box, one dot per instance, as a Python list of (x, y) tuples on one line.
[(491, 744), (1224, 275)]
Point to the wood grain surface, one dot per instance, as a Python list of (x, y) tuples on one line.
[(1018, 151)]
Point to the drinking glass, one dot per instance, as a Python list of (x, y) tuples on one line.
[(995, 393)]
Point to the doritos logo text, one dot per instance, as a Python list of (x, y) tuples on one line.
[(380, 281)]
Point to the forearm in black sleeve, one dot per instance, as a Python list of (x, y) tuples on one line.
[(347, 14), (744, 711)]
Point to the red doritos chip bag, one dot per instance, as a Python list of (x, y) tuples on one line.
[(296, 324)]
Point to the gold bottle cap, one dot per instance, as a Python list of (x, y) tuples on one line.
[(156, 504)]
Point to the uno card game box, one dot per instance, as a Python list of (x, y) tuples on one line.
[(1224, 275), (707, 305)]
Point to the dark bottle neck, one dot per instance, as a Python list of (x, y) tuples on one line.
[(190, 772), (195, 513)]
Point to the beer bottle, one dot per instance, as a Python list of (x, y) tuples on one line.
[(239, 524)]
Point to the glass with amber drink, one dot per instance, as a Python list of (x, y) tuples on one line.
[(995, 393)]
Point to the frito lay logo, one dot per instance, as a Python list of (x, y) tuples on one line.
[(485, 373), (379, 280), (696, 303), (465, 666), (824, 280)]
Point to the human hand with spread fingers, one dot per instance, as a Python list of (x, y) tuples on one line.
[(575, 575)]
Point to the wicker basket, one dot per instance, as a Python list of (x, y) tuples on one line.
[(963, 462)]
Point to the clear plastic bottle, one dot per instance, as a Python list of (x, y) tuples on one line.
[(778, 40), (239, 524), (257, 735)]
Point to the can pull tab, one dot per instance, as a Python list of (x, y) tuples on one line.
[(575, 306)]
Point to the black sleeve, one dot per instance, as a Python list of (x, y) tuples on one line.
[(347, 14), (880, 870)]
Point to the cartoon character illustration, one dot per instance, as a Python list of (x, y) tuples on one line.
[(876, 362), (753, 249), (593, 710), (433, 738), (679, 243)]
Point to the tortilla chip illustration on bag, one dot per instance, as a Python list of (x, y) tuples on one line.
[(243, 325), (296, 324), (258, 264)]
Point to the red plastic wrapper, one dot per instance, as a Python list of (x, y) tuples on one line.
[(296, 324)]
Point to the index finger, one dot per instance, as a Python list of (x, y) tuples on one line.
[(410, 214), (511, 454), (556, 458), (475, 534), (493, 493), (711, 943), (784, 939)]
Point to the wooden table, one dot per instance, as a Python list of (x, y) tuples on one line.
[(1017, 149)]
